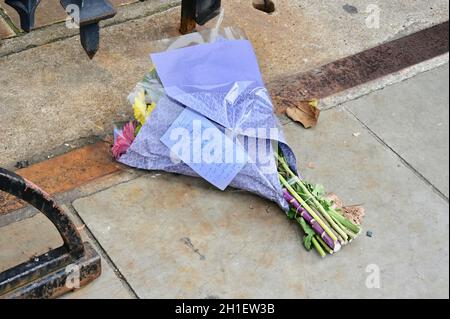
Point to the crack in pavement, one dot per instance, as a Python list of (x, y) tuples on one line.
[(74, 213), (403, 160)]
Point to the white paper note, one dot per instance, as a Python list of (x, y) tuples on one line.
[(212, 154)]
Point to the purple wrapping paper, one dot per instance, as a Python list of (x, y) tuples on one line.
[(222, 82), (222, 62)]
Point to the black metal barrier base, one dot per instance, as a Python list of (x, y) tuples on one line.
[(50, 275), (64, 269)]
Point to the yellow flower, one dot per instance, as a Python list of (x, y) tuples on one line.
[(141, 110), (314, 103), (150, 108)]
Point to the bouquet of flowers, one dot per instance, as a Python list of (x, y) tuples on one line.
[(213, 78)]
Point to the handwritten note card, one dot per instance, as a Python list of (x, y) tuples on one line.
[(212, 154)]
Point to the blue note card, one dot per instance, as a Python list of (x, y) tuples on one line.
[(214, 155)]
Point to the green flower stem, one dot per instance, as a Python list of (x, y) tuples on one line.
[(337, 227), (340, 239), (321, 210), (318, 247), (307, 207), (350, 235), (324, 245), (315, 201), (345, 222)]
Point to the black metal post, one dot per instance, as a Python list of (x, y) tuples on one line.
[(91, 13), (188, 23), (195, 12), (26, 10)]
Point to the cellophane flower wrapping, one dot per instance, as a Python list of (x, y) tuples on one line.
[(216, 74)]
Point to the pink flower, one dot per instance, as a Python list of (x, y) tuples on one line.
[(124, 140)]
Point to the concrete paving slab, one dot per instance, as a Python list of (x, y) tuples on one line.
[(108, 285), (5, 29), (34, 236), (187, 239), (402, 211), (412, 117), (175, 236), (25, 239)]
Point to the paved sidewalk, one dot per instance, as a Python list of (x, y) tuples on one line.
[(166, 236), (383, 144)]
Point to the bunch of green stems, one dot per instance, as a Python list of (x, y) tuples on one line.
[(331, 229)]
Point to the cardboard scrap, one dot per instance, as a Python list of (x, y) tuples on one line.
[(353, 213), (305, 112)]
